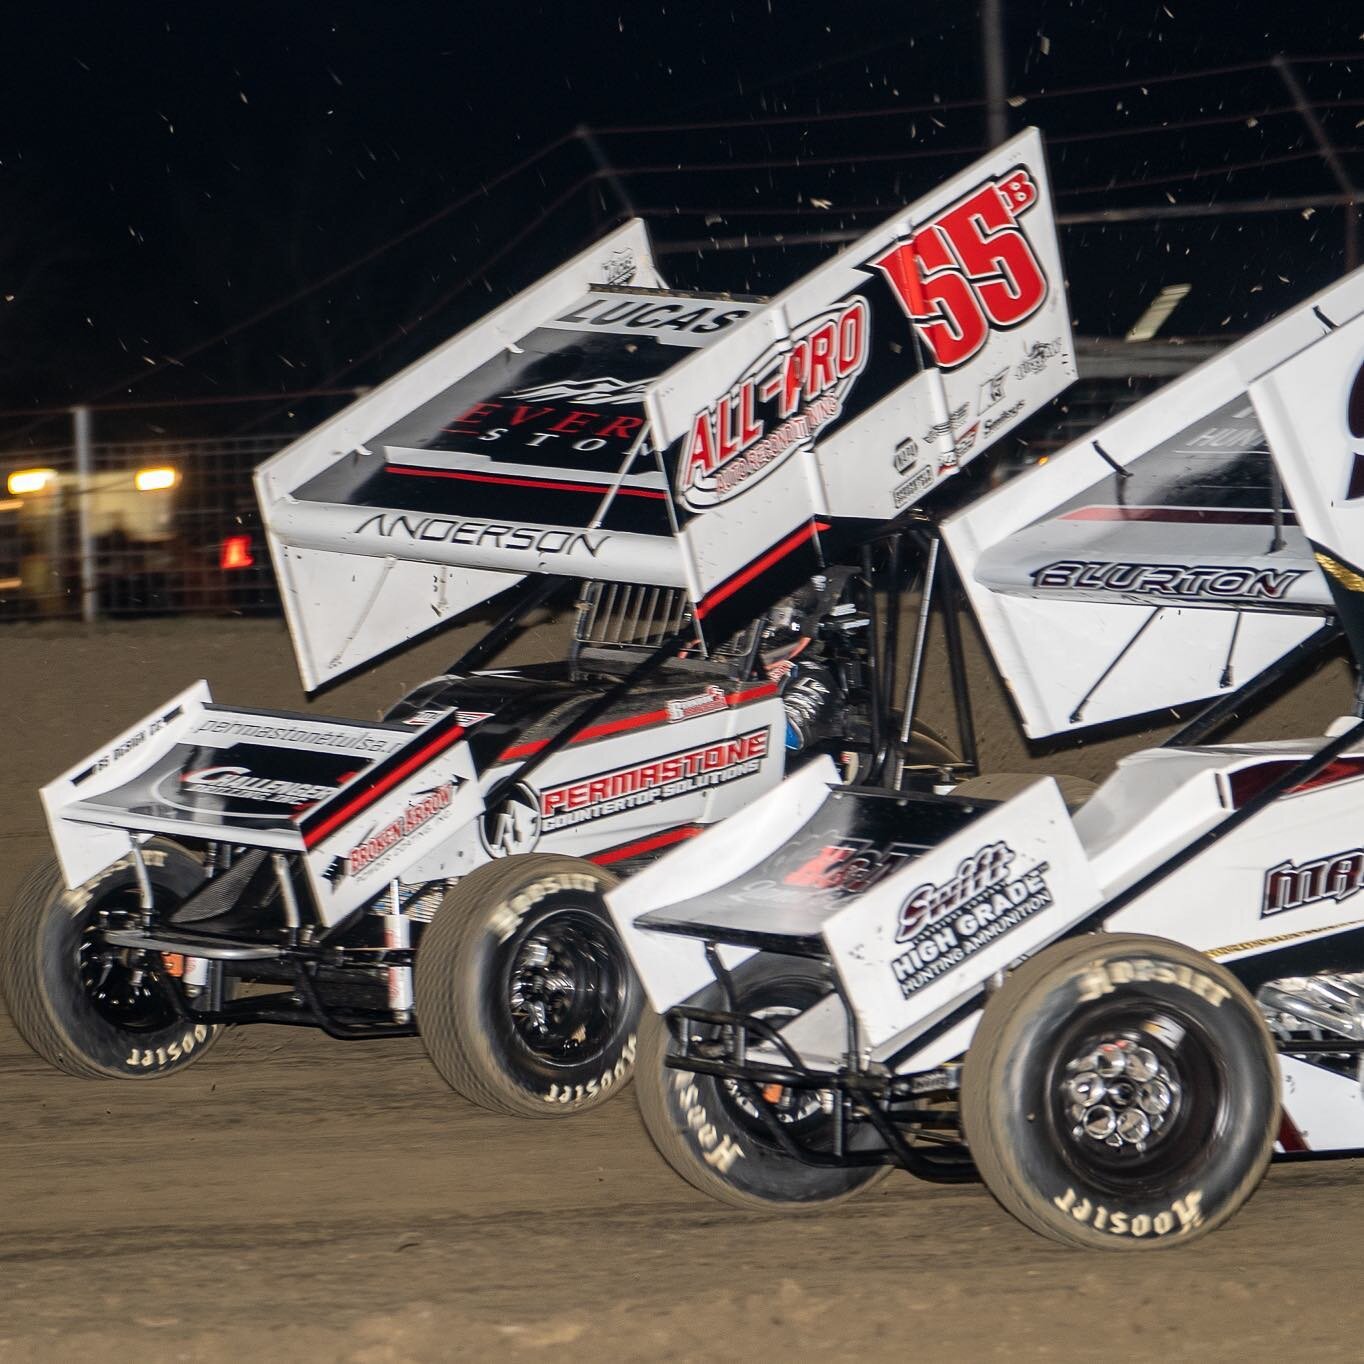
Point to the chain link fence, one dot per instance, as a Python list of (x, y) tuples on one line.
[(142, 528), (107, 529)]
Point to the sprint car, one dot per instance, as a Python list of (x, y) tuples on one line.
[(1113, 1007), (704, 476)]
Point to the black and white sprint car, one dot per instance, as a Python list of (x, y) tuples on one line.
[(1115, 1008), (705, 477)]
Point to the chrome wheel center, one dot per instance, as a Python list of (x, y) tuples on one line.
[(1119, 1094)]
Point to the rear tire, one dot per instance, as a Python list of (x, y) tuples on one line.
[(83, 1006), (525, 997), (699, 1122), (1121, 1093)]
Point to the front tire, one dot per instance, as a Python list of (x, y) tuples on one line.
[(1120, 1093), (525, 997), (710, 1132), (86, 1007)]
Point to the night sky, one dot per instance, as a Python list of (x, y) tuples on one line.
[(169, 171)]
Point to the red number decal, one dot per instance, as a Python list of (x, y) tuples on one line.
[(969, 269), (996, 256), (937, 297)]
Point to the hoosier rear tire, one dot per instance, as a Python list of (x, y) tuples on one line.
[(1120, 1093), (525, 997)]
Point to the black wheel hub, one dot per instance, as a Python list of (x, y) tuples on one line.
[(566, 986), (804, 1113), (118, 981)]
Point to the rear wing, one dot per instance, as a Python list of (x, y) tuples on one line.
[(1188, 544), (599, 426)]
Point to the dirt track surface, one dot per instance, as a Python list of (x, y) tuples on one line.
[(294, 1198)]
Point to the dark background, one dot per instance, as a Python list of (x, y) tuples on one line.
[(172, 171)]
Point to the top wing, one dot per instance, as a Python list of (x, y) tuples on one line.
[(1163, 558), (599, 426)]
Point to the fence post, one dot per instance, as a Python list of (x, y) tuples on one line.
[(80, 423)]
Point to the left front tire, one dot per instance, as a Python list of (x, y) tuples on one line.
[(86, 1006), (525, 997)]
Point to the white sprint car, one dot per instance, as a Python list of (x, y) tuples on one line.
[(1114, 1008)]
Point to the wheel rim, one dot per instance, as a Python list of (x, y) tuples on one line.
[(566, 986), (118, 980), (798, 1110), (1133, 1099)]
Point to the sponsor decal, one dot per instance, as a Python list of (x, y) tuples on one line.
[(448, 530), (1001, 418), (242, 783), (668, 319), (254, 783), (121, 750), (906, 455), (945, 430), (675, 774), (597, 392), (619, 267), (970, 270), (961, 443), (468, 718), (419, 813), (513, 825), (1190, 582), (780, 670), (526, 420), (1227, 438), (710, 701), (777, 408), (992, 390), (1294, 885), (350, 740), (942, 925), (1184, 1214), (850, 866), (903, 493), (1037, 357)]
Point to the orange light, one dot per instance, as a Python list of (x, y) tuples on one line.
[(31, 481), (174, 964), (155, 480), (235, 553), (773, 1093)]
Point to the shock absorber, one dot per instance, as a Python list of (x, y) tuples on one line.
[(398, 937)]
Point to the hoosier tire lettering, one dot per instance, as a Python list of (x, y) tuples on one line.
[(618, 1074), (1106, 977), (718, 1152), (506, 917), (1183, 1215), (143, 1057)]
